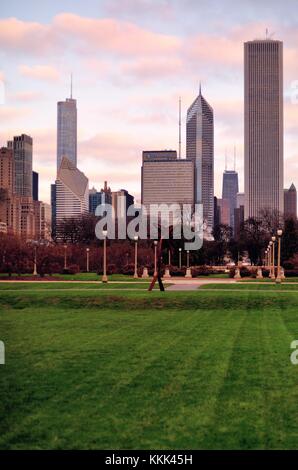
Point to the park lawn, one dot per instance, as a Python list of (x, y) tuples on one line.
[(267, 279), (185, 370), (251, 287)]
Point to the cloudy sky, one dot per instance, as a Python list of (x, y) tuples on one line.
[(131, 60)]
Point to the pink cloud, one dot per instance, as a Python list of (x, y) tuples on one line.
[(115, 36), (39, 72), (23, 36)]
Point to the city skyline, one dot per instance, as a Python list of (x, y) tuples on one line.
[(117, 81)]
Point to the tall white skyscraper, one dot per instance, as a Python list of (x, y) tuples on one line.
[(72, 192), (67, 130), (263, 126), (200, 149)]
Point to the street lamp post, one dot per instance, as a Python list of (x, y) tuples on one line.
[(270, 258), (155, 258), (187, 259), (169, 256), (278, 277), (104, 274), (65, 256), (87, 259), (136, 257), (35, 260), (180, 250), (273, 257), (265, 261)]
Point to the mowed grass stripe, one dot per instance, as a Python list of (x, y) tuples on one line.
[(144, 373), (191, 408), (253, 287)]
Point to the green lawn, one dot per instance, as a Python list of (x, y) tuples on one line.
[(267, 279), (251, 287), (185, 370)]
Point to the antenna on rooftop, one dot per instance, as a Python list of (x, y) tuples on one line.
[(234, 157), (226, 160)]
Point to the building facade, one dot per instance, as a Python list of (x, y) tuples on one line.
[(35, 178), (263, 126), (290, 202), (224, 211), (97, 198), (200, 150), (166, 179), (230, 189), (22, 152), (71, 192)]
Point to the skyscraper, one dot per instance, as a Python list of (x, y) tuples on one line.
[(22, 151), (290, 201), (166, 179), (67, 130), (263, 126), (96, 198), (200, 150), (229, 192), (35, 178), (72, 192)]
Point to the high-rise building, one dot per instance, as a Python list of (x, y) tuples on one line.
[(53, 208), (22, 151), (240, 199), (67, 131), (72, 192), (224, 207), (216, 212), (166, 179), (7, 170), (35, 178), (229, 191), (238, 221), (43, 216), (200, 150), (97, 198), (290, 202), (6, 187), (121, 201), (263, 126), (239, 214)]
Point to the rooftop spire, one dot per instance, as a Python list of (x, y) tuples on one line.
[(200, 94)]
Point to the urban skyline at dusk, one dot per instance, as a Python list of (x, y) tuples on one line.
[(127, 93)]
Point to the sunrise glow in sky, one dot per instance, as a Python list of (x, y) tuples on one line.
[(131, 60)]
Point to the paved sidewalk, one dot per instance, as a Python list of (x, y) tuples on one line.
[(180, 284)]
